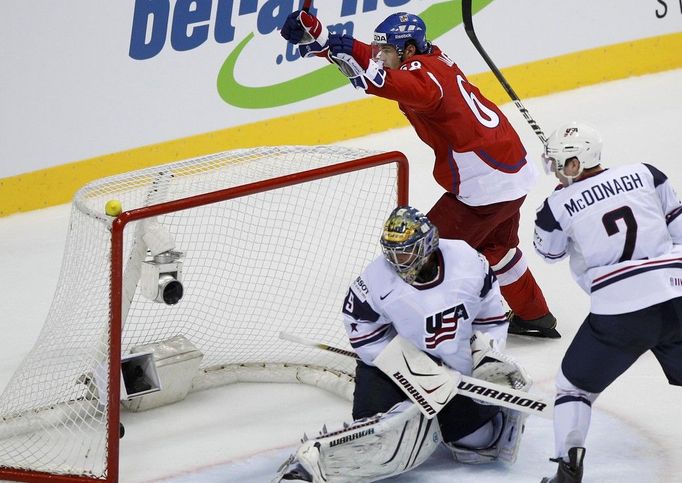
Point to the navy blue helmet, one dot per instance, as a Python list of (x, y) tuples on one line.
[(400, 28)]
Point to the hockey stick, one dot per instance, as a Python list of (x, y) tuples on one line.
[(317, 345), (469, 28), (478, 389)]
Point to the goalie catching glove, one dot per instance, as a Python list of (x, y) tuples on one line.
[(493, 366), (306, 31)]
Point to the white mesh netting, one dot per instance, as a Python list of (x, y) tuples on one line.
[(277, 260)]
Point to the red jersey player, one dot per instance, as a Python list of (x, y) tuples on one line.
[(479, 158)]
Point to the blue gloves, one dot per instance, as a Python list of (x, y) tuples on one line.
[(341, 44), (292, 30), (305, 30), (356, 74), (312, 38), (341, 50)]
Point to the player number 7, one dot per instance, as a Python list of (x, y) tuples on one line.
[(610, 220)]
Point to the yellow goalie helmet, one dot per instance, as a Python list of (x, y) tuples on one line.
[(408, 239)]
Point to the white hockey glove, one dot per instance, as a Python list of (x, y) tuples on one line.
[(356, 74), (494, 366)]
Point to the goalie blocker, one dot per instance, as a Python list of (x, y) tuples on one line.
[(500, 389), (431, 386)]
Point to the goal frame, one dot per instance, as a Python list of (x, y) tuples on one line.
[(118, 227)]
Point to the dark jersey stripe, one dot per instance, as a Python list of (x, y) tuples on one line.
[(545, 219), (659, 177)]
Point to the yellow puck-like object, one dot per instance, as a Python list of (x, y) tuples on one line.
[(113, 208)]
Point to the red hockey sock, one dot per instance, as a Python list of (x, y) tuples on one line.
[(525, 297)]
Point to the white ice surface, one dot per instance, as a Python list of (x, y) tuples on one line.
[(241, 433)]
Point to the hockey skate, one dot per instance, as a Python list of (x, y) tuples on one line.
[(545, 326), (571, 472)]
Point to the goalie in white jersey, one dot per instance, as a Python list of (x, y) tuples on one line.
[(622, 229), (435, 295)]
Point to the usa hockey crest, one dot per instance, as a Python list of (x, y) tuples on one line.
[(442, 326)]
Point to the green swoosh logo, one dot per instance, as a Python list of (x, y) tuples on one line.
[(440, 18)]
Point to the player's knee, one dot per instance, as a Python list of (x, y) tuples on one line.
[(508, 265), (496, 255), (564, 387)]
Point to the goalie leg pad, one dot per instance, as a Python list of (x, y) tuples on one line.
[(373, 448)]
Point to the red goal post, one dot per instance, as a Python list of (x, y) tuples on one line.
[(342, 200)]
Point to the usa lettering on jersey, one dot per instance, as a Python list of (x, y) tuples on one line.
[(438, 319), (442, 326)]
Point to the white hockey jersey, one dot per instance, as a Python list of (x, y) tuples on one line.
[(438, 318), (620, 228)]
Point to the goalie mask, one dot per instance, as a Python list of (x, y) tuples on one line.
[(398, 30), (573, 140), (408, 239)]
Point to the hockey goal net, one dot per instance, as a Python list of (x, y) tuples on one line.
[(270, 239)]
